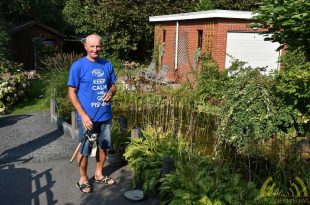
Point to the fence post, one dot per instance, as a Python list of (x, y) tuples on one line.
[(52, 109), (123, 123), (136, 133), (167, 165), (73, 124)]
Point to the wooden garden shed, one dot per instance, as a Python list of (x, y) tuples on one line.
[(33, 39), (181, 39)]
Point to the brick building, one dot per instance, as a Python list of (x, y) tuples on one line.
[(180, 39)]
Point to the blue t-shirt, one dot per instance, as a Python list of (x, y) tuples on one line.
[(92, 80)]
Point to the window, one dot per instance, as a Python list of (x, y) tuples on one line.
[(164, 36), (200, 32)]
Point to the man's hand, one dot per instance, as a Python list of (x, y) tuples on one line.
[(107, 97), (87, 122)]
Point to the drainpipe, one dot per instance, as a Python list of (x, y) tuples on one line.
[(176, 46)]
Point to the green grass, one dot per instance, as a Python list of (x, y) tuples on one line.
[(34, 100)]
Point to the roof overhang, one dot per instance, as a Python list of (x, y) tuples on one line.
[(203, 15), (29, 24)]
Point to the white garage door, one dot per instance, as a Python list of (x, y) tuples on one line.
[(251, 48)]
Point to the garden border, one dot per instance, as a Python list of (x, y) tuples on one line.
[(69, 129)]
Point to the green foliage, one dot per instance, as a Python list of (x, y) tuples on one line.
[(57, 88), (145, 156), (252, 112), (293, 83), (60, 61), (13, 84), (47, 11), (287, 21), (197, 179), (212, 84), (203, 5), (124, 25), (35, 100), (57, 79), (202, 180), (242, 5), (4, 39), (120, 139)]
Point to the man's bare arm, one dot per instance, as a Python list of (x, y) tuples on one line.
[(112, 90), (87, 123)]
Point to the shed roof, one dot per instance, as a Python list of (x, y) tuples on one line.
[(203, 15), (35, 23)]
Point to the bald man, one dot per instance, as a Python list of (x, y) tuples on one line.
[(91, 86)]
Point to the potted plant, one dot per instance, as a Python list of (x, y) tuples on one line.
[(120, 138)]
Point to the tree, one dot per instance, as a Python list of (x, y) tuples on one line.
[(4, 39), (293, 83), (47, 11), (242, 5), (288, 22), (124, 25), (203, 5)]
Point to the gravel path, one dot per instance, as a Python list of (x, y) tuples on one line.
[(32, 138), (35, 168)]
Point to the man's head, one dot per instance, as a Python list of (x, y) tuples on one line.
[(92, 46)]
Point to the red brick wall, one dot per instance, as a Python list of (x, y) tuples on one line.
[(214, 42)]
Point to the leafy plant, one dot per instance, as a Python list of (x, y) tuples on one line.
[(242, 5), (120, 139), (4, 39), (13, 84), (212, 84), (56, 81), (144, 156), (293, 83), (48, 12), (287, 22), (252, 112), (134, 40), (57, 88), (202, 180), (203, 5)]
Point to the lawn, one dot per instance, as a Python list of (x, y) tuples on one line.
[(35, 100)]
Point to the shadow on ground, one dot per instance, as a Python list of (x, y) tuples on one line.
[(20, 192), (12, 119), (15, 153)]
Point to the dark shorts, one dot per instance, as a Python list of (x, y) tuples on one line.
[(104, 136)]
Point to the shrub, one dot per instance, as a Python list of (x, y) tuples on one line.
[(212, 85), (253, 112), (293, 83), (4, 40), (196, 180), (13, 84), (56, 80), (145, 155), (202, 180)]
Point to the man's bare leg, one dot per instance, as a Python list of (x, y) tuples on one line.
[(100, 160), (82, 163)]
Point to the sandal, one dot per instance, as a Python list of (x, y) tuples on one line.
[(105, 180), (82, 187)]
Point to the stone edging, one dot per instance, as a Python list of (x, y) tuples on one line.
[(69, 129)]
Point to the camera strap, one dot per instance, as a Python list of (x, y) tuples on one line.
[(88, 133)]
